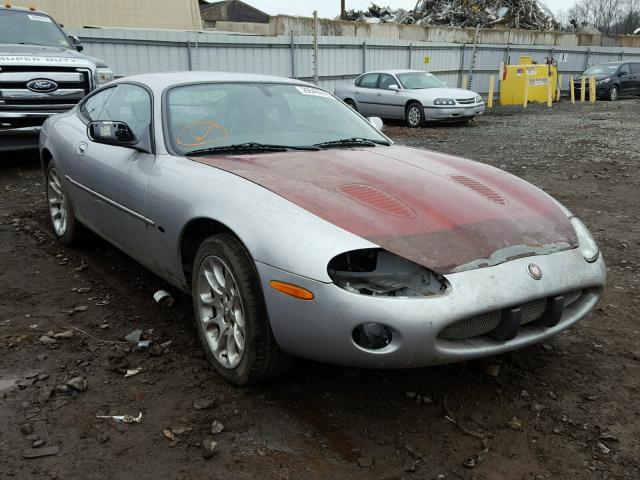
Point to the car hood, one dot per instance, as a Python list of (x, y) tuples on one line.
[(433, 93), (445, 213)]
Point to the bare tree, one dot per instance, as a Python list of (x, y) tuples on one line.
[(608, 16)]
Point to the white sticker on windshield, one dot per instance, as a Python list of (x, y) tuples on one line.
[(313, 91), (39, 18)]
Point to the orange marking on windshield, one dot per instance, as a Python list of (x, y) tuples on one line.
[(201, 133)]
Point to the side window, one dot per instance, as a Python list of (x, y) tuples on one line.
[(635, 68), (92, 108), (130, 104), (370, 80), (386, 81), (625, 68)]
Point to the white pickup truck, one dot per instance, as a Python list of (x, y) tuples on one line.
[(42, 72)]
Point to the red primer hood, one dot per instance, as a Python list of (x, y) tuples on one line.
[(439, 211)]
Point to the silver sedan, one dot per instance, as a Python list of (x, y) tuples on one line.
[(414, 96), (299, 229)]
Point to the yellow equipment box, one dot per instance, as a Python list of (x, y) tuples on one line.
[(515, 77)]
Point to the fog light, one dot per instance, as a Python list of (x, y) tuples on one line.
[(372, 336)]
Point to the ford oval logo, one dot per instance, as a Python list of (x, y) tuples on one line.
[(42, 85)]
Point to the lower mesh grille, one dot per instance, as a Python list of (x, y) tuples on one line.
[(486, 322)]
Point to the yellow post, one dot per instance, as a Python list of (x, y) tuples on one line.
[(465, 81), (583, 93), (559, 89), (526, 89), (492, 81), (573, 92), (592, 89), (549, 94)]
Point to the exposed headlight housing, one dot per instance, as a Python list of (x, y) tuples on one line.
[(103, 76), (379, 273), (603, 81), (444, 101), (587, 245)]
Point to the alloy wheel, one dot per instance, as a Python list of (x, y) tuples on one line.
[(57, 203), (221, 314)]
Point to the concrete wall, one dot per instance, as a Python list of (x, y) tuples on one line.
[(179, 14), (284, 25)]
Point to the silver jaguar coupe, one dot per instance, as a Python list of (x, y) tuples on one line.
[(300, 230), (411, 95)]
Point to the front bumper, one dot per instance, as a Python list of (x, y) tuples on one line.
[(20, 130), (453, 113), (321, 329)]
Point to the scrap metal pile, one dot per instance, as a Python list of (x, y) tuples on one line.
[(520, 14)]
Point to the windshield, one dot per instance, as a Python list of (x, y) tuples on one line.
[(603, 69), (220, 114), (417, 80), (30, 28)]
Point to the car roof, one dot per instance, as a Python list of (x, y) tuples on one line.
[(21, 9), (160, 81), (395, 71)]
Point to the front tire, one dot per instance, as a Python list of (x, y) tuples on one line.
[(68, 231), (613, 94), (351, 103), (414, 115), (231, 315)]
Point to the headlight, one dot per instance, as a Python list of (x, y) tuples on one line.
[(379, 273), (603, 81), (478, 99), (444, 101), (586, 243), (103, 76)]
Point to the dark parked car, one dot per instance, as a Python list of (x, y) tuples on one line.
[(613, 79)]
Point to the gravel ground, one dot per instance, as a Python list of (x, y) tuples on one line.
[(564, 410)]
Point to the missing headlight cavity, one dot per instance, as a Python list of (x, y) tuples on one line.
[(377, 272)]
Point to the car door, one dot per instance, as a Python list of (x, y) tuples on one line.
[(390, 100), (114, 177), (366, 94), (635, 77), (626, 80)]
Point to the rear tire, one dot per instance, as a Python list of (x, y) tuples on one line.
[(231, 315), (414, 115), (68, 231), (352, 104), (613, 94)]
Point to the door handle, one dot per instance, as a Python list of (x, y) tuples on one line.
[(82, 148)]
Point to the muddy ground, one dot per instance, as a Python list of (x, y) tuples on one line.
[(575, 399)]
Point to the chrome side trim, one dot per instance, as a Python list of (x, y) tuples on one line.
[(111, 202)]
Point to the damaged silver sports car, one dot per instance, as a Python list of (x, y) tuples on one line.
[(300, 230)]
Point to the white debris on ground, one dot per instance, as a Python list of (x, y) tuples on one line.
[(520, 14)]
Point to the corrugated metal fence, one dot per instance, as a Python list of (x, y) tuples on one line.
[(340, 59)]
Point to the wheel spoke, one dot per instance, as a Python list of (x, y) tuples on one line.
[(238, 336)]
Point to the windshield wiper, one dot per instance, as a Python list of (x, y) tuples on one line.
[(352, 142), (250, 147)]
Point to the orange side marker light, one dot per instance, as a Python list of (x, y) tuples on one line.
[(292, 290)]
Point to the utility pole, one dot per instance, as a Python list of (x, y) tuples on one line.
[(343, 9)]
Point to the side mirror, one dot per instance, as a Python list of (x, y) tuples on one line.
[(112, 133), (622, 73), (376, 122), (75, 41), (394, 87)]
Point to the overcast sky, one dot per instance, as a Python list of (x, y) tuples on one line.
[(331, 8)]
